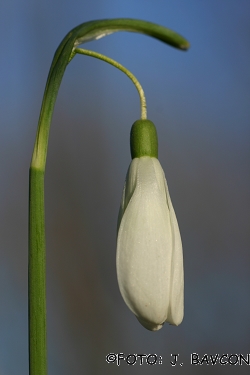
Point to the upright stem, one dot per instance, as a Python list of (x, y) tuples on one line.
[(37, 272)]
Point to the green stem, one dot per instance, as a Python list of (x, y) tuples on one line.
[(37, 272), (124, 70), (37, 288)]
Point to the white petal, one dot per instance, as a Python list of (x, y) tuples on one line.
[(144, 244), (176, 306)]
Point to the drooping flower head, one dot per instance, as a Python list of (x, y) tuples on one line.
[(149, 250)]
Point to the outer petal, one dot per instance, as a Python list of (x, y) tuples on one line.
[(144, 244), (176, 306)]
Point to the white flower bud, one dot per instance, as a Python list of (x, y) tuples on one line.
[(149, 250)]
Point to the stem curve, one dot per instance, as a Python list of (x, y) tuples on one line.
[(124, 70), (81, 34)]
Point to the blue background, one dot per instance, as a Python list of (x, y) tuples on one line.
[(199, 101)]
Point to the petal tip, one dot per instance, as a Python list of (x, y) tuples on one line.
[(150, 325)]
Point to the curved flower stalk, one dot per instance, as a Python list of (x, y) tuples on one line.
[(149, 249)]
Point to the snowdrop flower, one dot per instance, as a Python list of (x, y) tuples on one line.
[(149, 250)]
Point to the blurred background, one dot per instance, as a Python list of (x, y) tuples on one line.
[(199, 101)]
